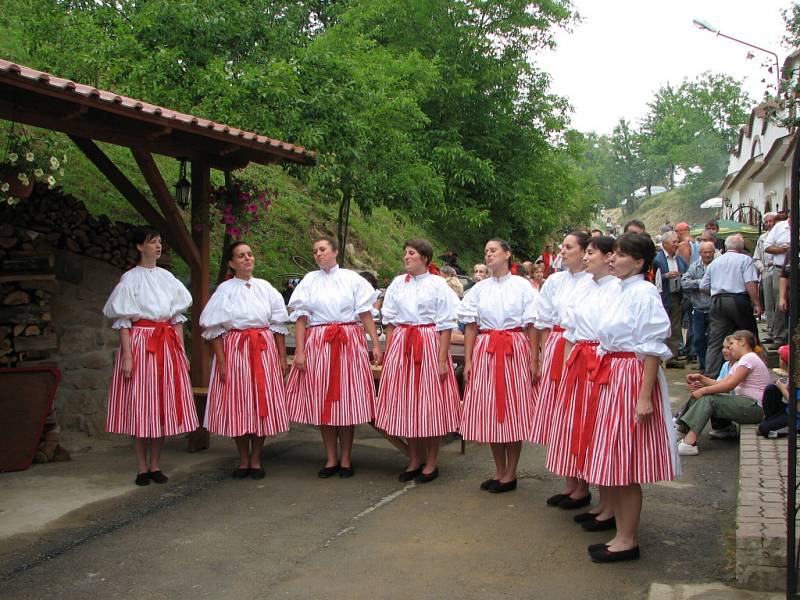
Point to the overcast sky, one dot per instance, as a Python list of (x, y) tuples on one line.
[(624, 50)]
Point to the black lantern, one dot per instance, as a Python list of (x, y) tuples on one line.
[(183, 189)]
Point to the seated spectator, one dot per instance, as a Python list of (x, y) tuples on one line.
[(748, 378), (776, 401), (537, 276), (449, 274), (720, 428), (479, 273)]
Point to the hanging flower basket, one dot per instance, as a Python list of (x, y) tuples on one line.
[(27, 159), (17, 187)]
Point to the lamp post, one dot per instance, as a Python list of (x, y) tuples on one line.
[(183, 188), (706, 26)]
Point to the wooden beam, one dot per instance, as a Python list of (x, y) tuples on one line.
[(160, 133), (201, 277), (182, 240), (122, 183)]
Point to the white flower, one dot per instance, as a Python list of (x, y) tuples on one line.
[(29, 156), (23, 177), (51, 182), (64, 159), (4, 187), (13, 157), (54, 164), (38, 172), (61, 172), (12, 201)]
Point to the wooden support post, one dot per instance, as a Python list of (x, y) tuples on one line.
[(122, 183), (201, 190), (183, 242)]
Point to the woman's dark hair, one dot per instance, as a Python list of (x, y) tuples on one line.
[(231, 248), (331, 242), (638, 246), (634, 223), (583, 237), (423, 248), (506, 248), (604, 243), (143, 235), (371, 279)]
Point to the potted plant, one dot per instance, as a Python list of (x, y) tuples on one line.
[(25, 160)]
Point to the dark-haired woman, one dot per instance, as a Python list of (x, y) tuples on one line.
[(576, 404), (559, 291), (418, 397), (498, 401), (245, 321), (151, 394), (331, 384), (633, 440)]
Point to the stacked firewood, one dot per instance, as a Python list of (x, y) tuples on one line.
[(66, 223)]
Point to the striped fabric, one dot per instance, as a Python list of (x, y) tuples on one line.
[(235, 407), (570, 411), (412, 400), (545, 392), (354, 400), (148, 404), (480, 420), (623, 451)]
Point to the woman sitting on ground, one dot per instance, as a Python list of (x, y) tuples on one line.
[(748, 378)]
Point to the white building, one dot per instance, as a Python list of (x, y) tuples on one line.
[(759, 170)]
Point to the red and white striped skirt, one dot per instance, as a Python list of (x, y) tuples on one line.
[(413, 401), (157, 399), (546, 387), (568, 428), (252, 398), (622, 451), (498, 404), (329, 394)]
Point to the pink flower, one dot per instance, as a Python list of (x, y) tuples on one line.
[(262, 196), (227, 209), (251, 208), (235, 232), (228, 219), (245, 196)]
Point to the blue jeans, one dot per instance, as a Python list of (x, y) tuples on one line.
[(700, 326)]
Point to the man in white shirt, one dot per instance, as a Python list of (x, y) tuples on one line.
[(732, 281), (776, 246)]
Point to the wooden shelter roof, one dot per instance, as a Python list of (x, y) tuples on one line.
[(82, 110)]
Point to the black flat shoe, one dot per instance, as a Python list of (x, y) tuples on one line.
[(428, 477), (488, 483), (595, 547), (258, 473), (500, 488), (142, 479), (583, 517), (557, 499), (158, 477), (409, 475), (241, 473), (346, 472), (604, 555), (326, 472), (570, 504), (597, 525)]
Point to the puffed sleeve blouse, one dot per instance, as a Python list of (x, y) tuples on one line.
[(592, 300), (334, 296), (555, 297), (507, 302), (244, 304), (637, 322), (419, 300), (149, 293)]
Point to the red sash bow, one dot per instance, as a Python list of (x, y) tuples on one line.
[(412, 348), (582, 362), (336, 336), (165, 337), (257, 345), (501, 345), (557, 365)]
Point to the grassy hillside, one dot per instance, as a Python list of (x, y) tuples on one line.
[(672, 205)]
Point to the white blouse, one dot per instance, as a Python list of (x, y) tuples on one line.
[(418, 300), (504, 303), (150, 293), (557, 293), (335, 296), (240, 304), (636, 322), (584, 316)]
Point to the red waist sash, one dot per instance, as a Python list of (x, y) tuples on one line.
[(557, 365), (412, 347), (336, 336), (257, 345), (501, 345), (165, 337), (581, 363)]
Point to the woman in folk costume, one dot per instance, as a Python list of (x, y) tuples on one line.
[(418, 397), (245, 321), (498, 401), (331, 382), (559, 291), (633, 441), (151, 394), (576, 405)]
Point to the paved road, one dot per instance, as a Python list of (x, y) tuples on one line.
[(293, 535)]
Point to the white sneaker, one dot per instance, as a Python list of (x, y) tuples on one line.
[(685, 449), (729, 433)]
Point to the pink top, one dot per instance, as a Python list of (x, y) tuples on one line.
[(754, 384)]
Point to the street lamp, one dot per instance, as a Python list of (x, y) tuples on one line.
[(705, 25), (183, 188)]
